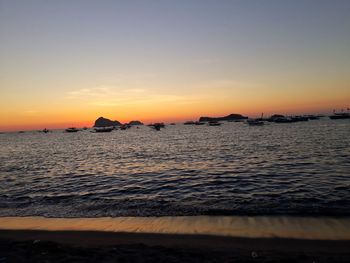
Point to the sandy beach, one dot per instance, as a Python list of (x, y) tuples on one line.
[(87, 246), (37, 239)]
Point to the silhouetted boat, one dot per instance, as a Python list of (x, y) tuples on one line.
[(161, 124), (157, 126), (338, 116), (189, 123), (274, 117), (45, 130), (312, 117), (299, 118), (255, 122), (125, 126), (199, 123), (72, 129), (214, 123), (283, 120), (104, 129)]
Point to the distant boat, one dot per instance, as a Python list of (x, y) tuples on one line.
[(274, 117), (255, 122), (189, 123), (214, 123), (338, 116), (157, 126), (312, 117), (199, 123), (172, 123), (283, 120), (45, 130), (72, 129), (299, 118), (125, 126), (104, 129), (238, 120)]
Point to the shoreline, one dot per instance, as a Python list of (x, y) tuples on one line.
[(312, 228), (174, 239)]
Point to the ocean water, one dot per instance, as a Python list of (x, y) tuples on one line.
[(234, 169)]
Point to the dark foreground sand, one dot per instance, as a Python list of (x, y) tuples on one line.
[(95, 246)]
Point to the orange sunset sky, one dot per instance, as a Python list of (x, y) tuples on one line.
[(66, 63)]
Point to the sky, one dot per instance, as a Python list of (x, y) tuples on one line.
[(66, 63)]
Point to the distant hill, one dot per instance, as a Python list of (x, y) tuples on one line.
[(230, 117), (103, 122), (132, 123)]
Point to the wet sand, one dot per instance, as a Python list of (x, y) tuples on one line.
[(88, 246), (73, 240)]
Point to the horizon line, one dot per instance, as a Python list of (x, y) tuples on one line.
[(64, 125)]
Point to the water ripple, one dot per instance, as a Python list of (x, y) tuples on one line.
[(234, 169)]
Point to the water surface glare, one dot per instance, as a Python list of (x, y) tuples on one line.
[(234, 169)]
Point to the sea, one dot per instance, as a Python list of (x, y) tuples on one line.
[(296, 169)]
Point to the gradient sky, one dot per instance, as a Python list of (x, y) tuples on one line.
[(66, 63)]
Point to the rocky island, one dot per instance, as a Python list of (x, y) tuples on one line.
[(231, 117), (135, 123), (103, 122)]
